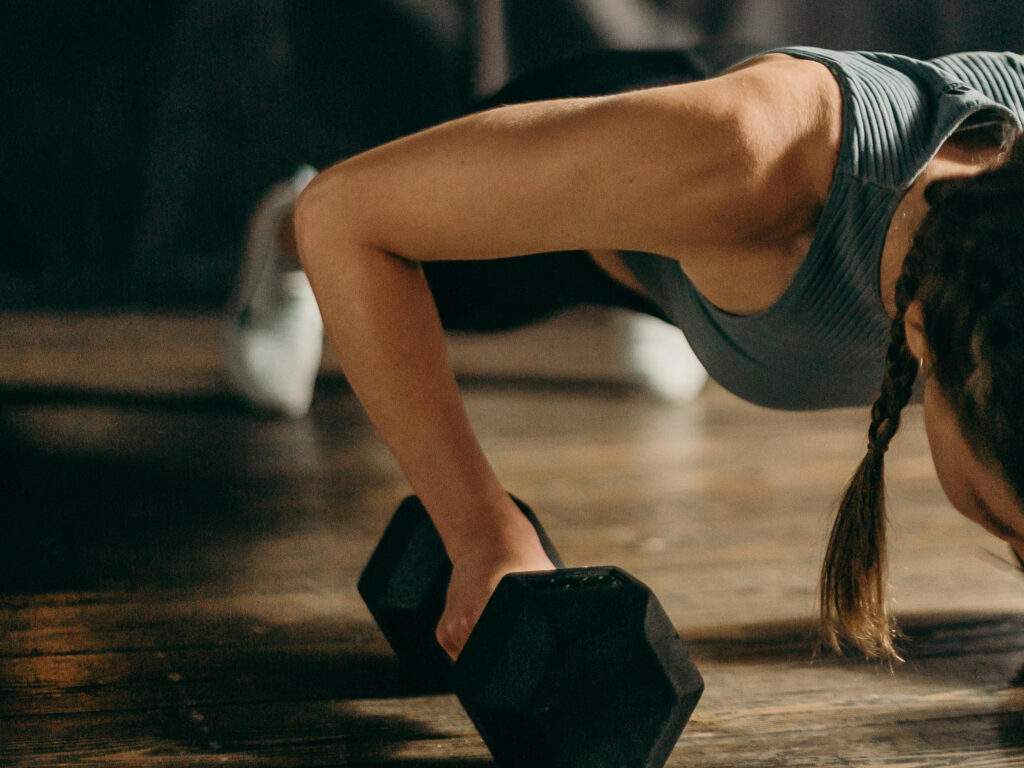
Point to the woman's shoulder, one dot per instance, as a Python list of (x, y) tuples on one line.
[(898, 111), (791, 111), (790, 114)]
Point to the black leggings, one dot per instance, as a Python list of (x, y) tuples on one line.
[(499, 294)]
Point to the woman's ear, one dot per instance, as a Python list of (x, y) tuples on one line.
[(913, 321)]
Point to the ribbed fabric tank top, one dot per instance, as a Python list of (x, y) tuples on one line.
[(823, 343)]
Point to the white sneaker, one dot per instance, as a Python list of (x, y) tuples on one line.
[(597, 344), (661, 356), (274, 336)]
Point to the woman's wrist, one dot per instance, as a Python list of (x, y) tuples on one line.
[(498, 531)]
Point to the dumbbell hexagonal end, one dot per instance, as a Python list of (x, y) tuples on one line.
[(404, 585), (577, 667)]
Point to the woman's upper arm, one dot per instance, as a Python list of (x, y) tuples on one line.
[(735, 159)]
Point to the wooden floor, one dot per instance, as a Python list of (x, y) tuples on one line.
[(177, 575)]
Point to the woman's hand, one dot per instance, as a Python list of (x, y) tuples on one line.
[(475, 576)]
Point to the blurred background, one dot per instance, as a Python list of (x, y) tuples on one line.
[(137, 136)]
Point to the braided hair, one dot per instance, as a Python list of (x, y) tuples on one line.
[(966, 267)]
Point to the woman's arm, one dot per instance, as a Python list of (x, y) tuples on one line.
[(723, 161), (727, 161)]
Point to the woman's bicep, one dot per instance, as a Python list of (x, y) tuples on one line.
[(651, 170)]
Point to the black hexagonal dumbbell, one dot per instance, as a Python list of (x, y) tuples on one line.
[(405, 585), (575, 667)]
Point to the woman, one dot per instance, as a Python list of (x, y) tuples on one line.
[(803, 217)]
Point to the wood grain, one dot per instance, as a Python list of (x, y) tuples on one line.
[(177, 574)]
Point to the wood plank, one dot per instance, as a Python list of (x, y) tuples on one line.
[(177, 578)]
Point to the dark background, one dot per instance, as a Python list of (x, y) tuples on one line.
[(137, 135)]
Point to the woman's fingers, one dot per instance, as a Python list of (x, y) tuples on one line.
[(474, 580), (452, 634)]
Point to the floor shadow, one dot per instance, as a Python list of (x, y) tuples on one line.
[(158, 493), (607, 389), (334, 384), (73, 531), (925, 635), (185, 401), (1010, 724), (932, 645), (78, 521), (340, 736), (319, 659), (318, 691), (960, 634)]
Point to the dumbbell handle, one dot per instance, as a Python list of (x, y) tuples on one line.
[(405, 585)]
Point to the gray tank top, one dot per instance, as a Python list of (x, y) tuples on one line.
[(822, 343)]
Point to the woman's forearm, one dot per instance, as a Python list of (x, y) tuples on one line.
[(384, 327)]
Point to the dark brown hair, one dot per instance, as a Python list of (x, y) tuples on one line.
[(966, 267)]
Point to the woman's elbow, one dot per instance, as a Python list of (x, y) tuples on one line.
[(322, 215)]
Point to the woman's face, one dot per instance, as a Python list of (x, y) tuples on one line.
[(976, 488)]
